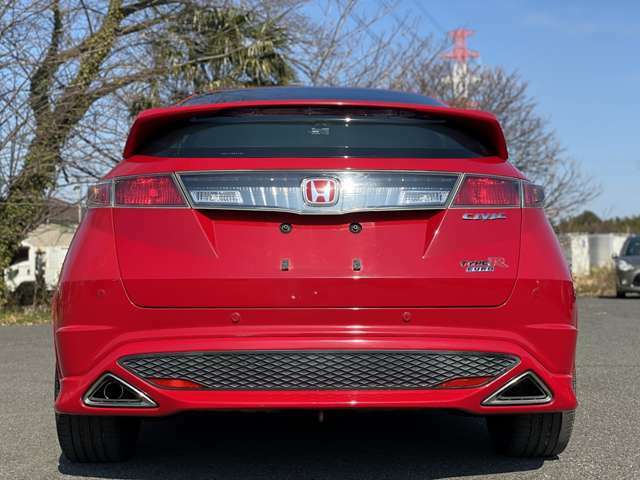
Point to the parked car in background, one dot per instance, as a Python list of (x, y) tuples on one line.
[(628, 267), (314, 248)]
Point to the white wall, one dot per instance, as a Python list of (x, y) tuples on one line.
[(585, 251)]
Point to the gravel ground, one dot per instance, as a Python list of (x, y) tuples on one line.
[(410, 445)]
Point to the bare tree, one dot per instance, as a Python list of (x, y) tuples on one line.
[(66, 68), (533, 146), (369, 48)]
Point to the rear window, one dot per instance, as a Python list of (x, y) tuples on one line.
[(316, 132)]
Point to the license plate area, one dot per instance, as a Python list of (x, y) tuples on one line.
[(371, 243)]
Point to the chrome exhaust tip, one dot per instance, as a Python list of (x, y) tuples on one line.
[(525, 389), (111, 391)]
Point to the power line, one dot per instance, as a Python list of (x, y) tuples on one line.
[(430, 17)]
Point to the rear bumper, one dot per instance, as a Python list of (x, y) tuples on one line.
[(173, 401), (96, 326)]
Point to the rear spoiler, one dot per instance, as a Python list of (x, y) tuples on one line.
[(483, 125)]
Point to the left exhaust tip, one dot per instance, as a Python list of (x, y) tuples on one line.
[(111, 391)]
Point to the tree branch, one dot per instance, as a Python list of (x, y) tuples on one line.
[(42, 78)]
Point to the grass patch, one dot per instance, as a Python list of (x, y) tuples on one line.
[(25, 315), (600, 282)]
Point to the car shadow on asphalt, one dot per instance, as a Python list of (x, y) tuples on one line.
[(629, 296), (346, 445)]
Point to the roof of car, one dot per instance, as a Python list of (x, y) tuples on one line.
[(310, 93)]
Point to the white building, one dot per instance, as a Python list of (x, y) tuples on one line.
[(47, 243)]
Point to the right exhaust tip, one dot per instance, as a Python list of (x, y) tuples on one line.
[(525, 389)]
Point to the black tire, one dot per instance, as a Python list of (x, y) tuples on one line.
[(89, 439), (531, 435), (621, 294)]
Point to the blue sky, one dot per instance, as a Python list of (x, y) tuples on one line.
[(582, 62)]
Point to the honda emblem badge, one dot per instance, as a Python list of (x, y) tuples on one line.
[(320, 192)]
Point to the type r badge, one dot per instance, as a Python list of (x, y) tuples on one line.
[(488, 265)]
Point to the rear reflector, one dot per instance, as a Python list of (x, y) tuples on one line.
[(159, 191), (488, 191), (465, 382), (175, 383), (533, 195)]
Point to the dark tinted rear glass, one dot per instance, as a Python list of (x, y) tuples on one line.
[(316, 132), (633, 248)]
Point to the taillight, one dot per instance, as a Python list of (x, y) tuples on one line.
[(533, 195), (488, 191), (99, 195), (155, 191)]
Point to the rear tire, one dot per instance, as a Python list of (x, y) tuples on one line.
[(92, 439), (85, 438), (531, 435), (621, 294)]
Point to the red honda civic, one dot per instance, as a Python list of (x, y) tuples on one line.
[(314, 248)]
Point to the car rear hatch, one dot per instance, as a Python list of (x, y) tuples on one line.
[(313, 237)]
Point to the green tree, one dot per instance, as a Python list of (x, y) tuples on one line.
[(212, 48), (589, 222)]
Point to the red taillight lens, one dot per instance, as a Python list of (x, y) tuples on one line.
[(489, 191), (160, 191), (99, 195), (533, 195)]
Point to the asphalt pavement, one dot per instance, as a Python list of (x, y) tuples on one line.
[(402, 445)]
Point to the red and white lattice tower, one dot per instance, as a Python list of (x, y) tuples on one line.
[(460, 55)]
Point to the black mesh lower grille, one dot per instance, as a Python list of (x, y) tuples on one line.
[(319, 370)]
